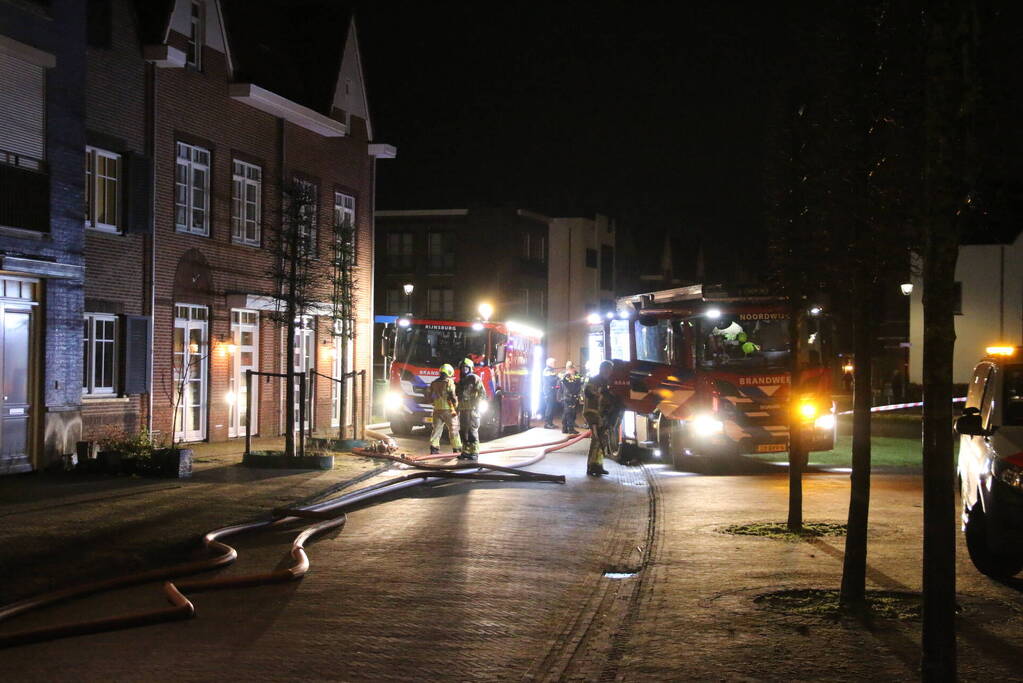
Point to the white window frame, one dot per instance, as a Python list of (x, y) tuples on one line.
[(188, 317), (243, 212), (197, 33), (89, 387), (243, 320), (92, 189), (191, 163), (344, 207)]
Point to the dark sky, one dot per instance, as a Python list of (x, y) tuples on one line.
[(650, 112)]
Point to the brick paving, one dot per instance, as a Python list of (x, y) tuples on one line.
[(499, 581)]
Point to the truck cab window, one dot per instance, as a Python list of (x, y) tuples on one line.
[(653, 341), (734, 343), (1013, 405)]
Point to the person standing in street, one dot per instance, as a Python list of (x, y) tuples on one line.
[(549, 389), (571, 395), (471, 396), (443, 396), (598, 406)]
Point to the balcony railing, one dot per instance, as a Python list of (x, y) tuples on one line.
[(24, 192)]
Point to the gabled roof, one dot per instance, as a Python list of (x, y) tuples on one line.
[(292, 48)]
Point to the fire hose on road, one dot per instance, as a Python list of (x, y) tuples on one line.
[(331, 514)]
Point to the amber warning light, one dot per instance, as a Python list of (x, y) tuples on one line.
[(1001, 350)]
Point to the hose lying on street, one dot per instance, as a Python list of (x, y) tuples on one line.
[(330, 513)]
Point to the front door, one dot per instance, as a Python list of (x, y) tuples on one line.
[(245, 356), (16, 404), (191, 349)]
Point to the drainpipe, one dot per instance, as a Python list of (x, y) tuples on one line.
[(151, 153)]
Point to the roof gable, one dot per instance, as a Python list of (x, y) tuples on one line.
[(350, 88)]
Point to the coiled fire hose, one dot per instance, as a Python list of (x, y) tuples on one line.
[(330, 512)]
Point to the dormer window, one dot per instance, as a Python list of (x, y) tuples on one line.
[(197, 35)]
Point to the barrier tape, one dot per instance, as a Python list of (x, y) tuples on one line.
[(899, 406)]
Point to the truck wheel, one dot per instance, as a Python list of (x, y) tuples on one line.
[(669, 437), (987, 561), (401, 427), (490, 425)]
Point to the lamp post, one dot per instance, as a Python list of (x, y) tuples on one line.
[(485, 310), (408, 287), (907, 288)]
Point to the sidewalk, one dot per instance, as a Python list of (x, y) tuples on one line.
[(67, 528)]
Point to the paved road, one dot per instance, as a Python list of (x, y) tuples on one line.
[(505, 581)]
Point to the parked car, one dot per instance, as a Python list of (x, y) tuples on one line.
[(991, 463)]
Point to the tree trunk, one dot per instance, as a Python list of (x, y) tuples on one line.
[(854, 566), (939, 580), (797, 447), (947, 184)]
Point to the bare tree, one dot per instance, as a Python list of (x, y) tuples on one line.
[(295, 272)]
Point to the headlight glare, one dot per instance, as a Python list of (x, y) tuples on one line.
[(705, 425), (393, 400), (825, 422)]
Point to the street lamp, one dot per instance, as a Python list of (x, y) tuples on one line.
[(907, 288), (408, 287), (485, 311)]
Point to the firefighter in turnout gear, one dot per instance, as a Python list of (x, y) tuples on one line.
[(549, 388), (598, 409), (445, 409), (471, 399), (571, 395)]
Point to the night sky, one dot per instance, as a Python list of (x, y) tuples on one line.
[(653, 113), (650, 113)]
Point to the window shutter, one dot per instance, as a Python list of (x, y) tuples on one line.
[(22, 99), (136, 354), (137, 193)]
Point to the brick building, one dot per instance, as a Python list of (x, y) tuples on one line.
[(42, 152), (457, 258), (137, 294), (241, 117)]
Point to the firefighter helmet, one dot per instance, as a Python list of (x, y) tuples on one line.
[(467, 363), (605, 365), (446, 369)]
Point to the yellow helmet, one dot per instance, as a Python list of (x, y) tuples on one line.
[(446, 369)]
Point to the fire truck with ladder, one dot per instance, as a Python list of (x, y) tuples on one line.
[(702, 371), (508, 358)]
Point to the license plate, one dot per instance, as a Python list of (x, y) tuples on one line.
[(771, 447)]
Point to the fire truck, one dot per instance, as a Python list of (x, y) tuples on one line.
[(508, 358), (702, 371)]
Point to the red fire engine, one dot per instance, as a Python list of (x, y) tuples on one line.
[(701, 371), (508, 358)]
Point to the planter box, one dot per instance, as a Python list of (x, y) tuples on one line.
[(277, 460), (109, 462), (336, 444), (175, 463)]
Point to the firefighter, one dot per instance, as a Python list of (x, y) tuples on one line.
[(598, 407), (445, 409), (471, 395), (571, 391), (549, 391)]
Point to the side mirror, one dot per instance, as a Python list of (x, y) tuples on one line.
[(969, 424)]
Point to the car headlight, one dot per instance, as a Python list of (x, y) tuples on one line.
[(1008, 473), (484, 406), (705, 425), (393, 400), (825, 422)]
